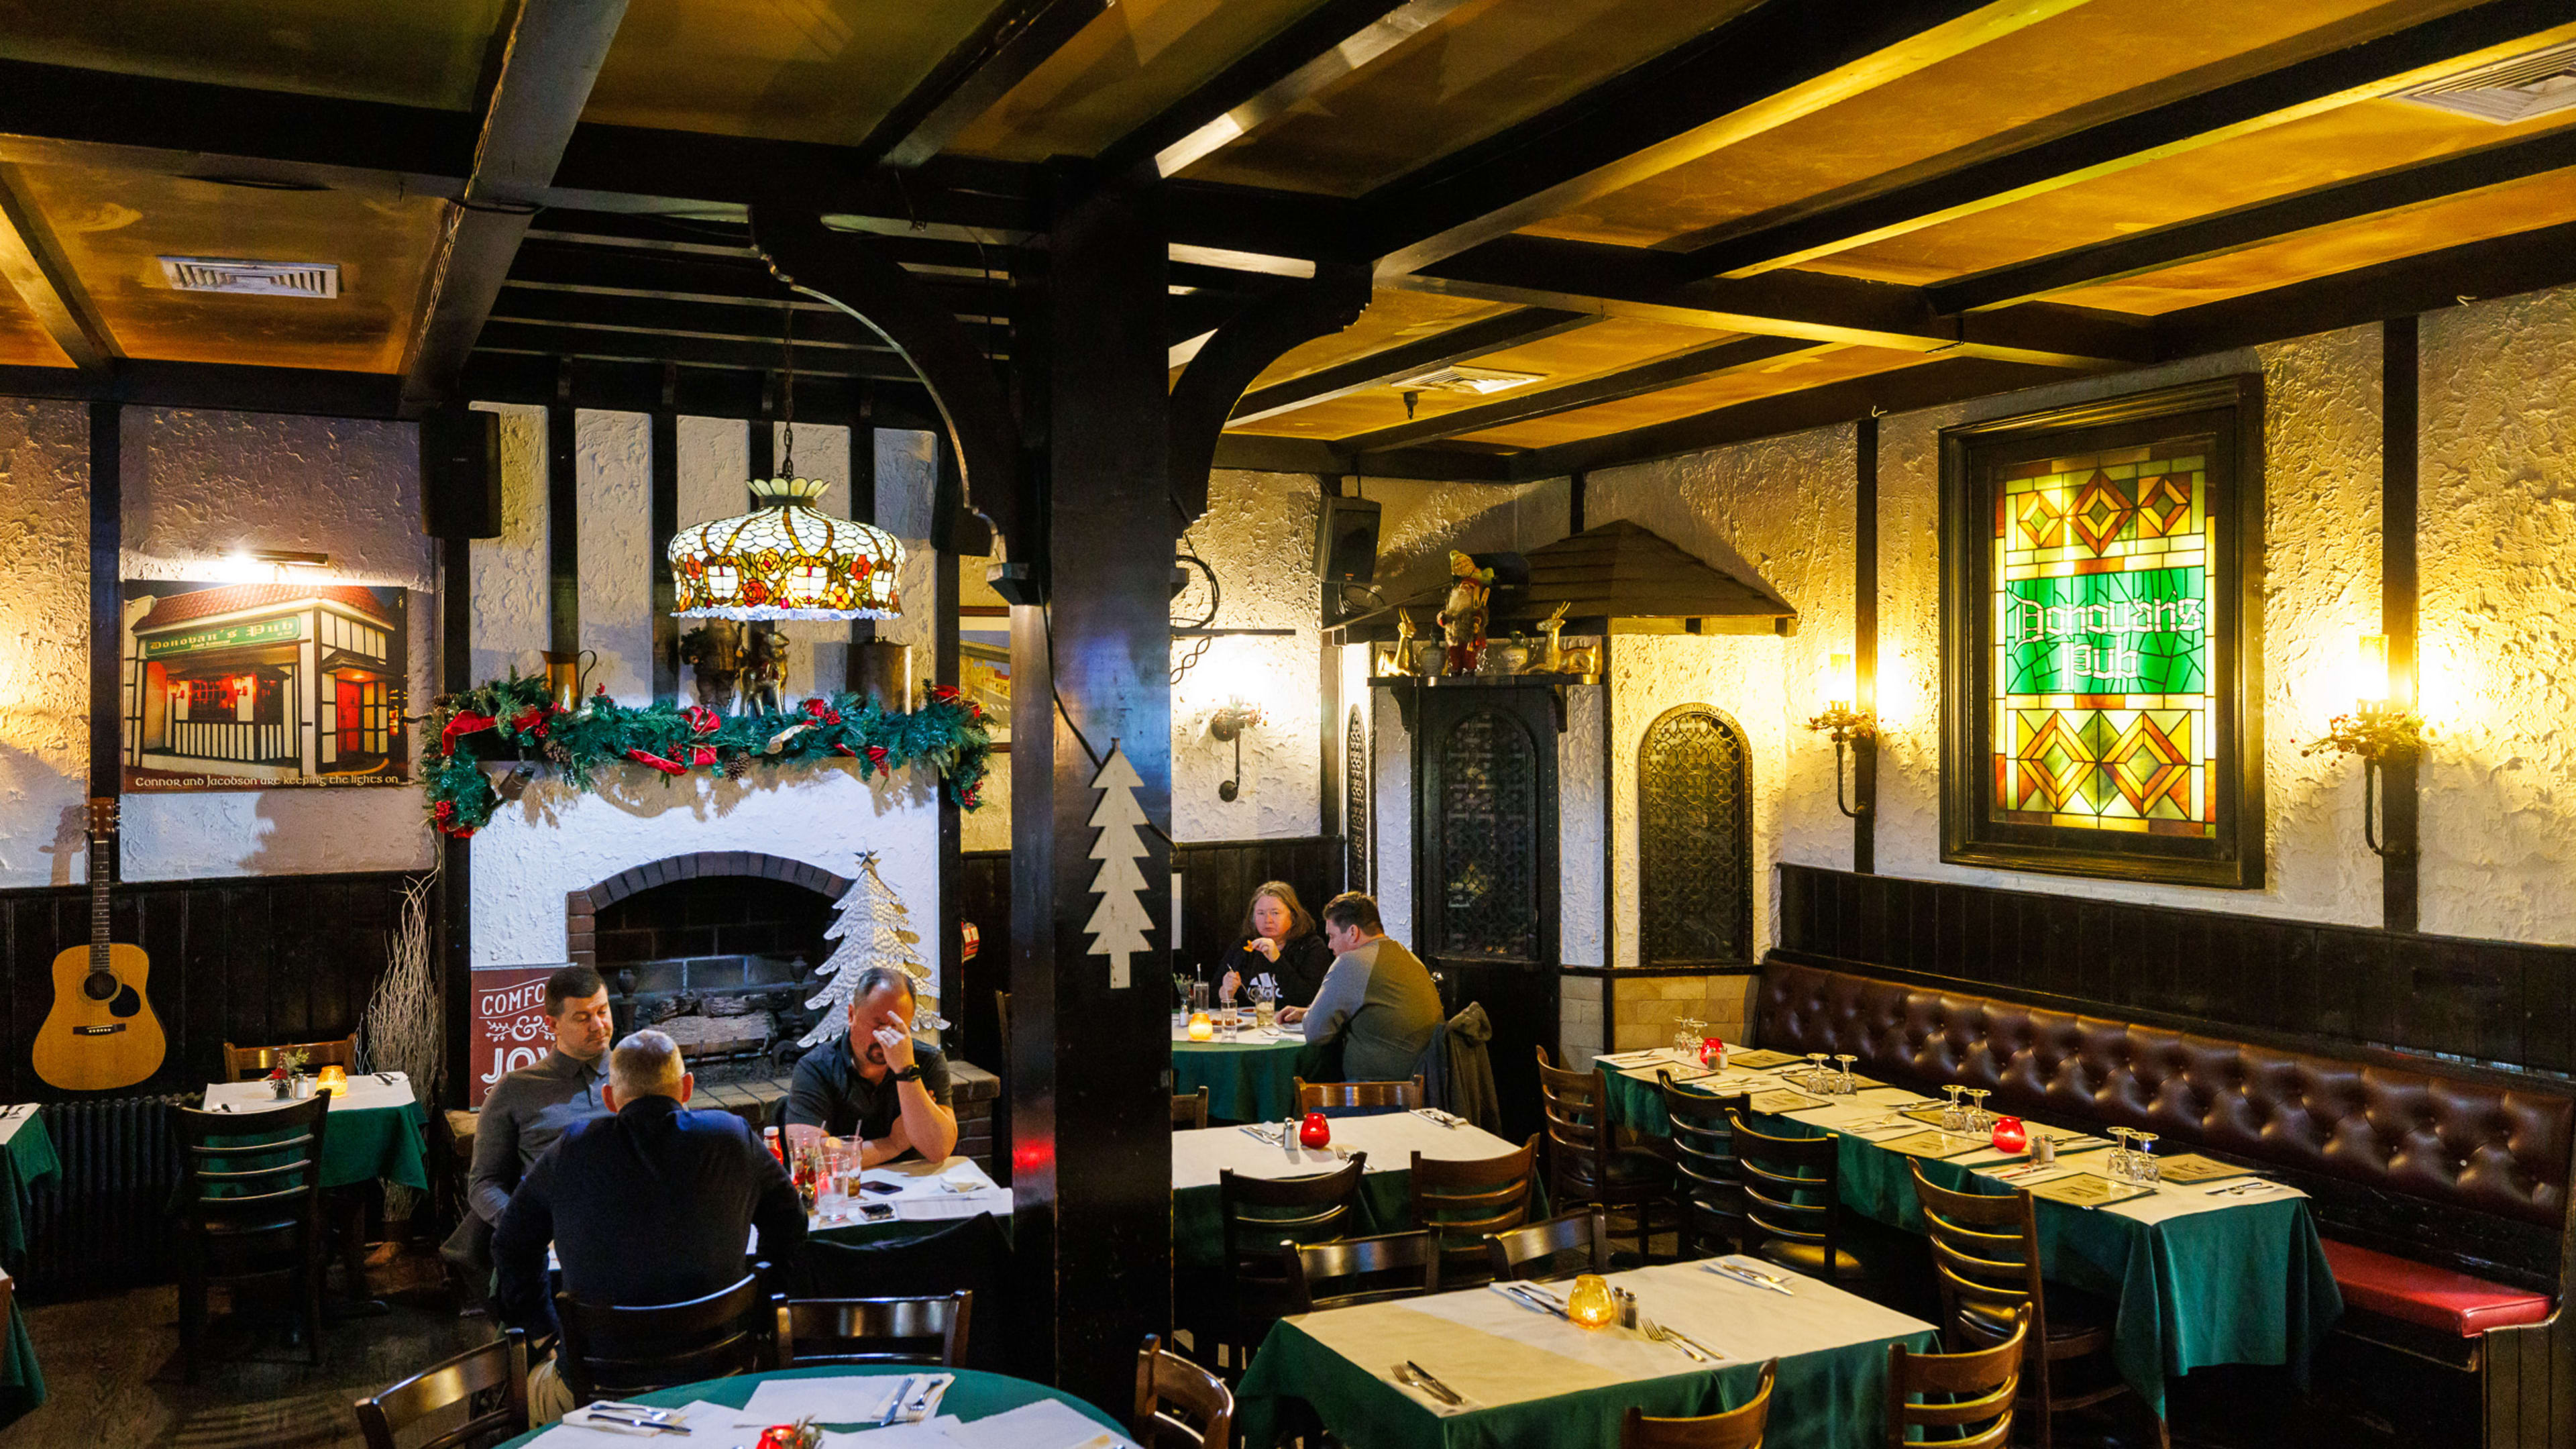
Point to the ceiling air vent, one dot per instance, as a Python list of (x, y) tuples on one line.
[(254, 279), (1476, 380), (2506, 91)]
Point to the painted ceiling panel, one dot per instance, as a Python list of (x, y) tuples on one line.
[(2542, 201), (1392, 318), (1787, 374), (113, 226), (2055, 76), (1474, 72), (23, 342), (784, 70), (1123, 69), (415, 52)]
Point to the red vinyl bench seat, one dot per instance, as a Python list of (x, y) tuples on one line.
[(2427, 1296)]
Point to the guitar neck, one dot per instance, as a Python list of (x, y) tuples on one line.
[(98, 900)]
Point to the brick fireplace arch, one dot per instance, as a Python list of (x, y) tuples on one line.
[(582, 907)]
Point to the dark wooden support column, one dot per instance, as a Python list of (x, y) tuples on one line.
[(563, 521), (1328, 706), (666, 523), (863, 509), (943, 670), (106, 622), (455, 903), (2398, 503), (1091, 1144), (1865, 641)]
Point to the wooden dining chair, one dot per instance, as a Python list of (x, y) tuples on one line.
[(1967, 1398), (1369, 1270), (489, 1384), (1464, 1201), (1738, 1428), (1335, 1096), (617, 1353), (249, 1209), (1985, 1256), (1256, 1215), (242, 1064), (1166, 1382), (1540, 1250), (875, 1330), (1586, 1164), (1189, 1110), (1708, 1183), (1794, 1208)]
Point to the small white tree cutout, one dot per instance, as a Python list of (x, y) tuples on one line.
[(872, 933), (1119, 925)]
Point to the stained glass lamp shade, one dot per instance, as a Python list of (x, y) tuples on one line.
[(786, 560)]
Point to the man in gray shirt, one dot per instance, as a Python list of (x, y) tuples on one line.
[(1377, 998), (527, 1110)]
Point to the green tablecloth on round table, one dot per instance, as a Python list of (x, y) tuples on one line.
[(2248, 1284), (1834, 1399), (28, 1160), (1247, 1083), (974, 1396)]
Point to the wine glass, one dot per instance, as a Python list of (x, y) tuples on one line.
[(2120, 1152), (1815, 1070), (1846, 1058), (2145, 1164), (1978, 1121), (1953, 1116)]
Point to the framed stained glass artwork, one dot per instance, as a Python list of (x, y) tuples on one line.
[(2100, 700)]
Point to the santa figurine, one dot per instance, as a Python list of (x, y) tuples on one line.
[(1462, 620)]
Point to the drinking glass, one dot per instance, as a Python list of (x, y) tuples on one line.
[(1849, 1087), (1198, 994), (1265, 1009), (1954, 1117), (1815, 1070), (2120, 1152), (1978, 1121), (2147, 1170)]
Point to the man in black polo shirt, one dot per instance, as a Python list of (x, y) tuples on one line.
[(875, 1084)]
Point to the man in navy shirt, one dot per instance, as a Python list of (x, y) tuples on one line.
[(651, 1205)]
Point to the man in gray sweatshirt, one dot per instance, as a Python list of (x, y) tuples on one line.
[(1378, 999)]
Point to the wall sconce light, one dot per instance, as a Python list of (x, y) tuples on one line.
[(2381, 726), (282, 558), (1228, 725), (1844, 723)]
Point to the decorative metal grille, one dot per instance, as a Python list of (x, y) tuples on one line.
[(1488, 814), (1355, 806), (1693, 839)]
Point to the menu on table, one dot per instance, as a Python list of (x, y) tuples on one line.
[(1784, 1100), (1935, 1144), (1759, 1061), (2085, 1190), (2190, 1167)]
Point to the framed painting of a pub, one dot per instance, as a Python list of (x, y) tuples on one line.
[(234, 686), (2101, 666)]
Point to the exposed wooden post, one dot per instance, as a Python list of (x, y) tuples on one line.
[(2398, 502), (107, 609), (1865, 642)]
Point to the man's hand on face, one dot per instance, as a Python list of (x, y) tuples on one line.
[(881, 1029), (894, 1047)]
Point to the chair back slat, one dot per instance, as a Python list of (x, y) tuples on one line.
[(1960, 1399), (1256, 1214), (242, 1064), (1464, 1201), (1166, 1382), (1330, 1096), (1190, 1110), (1709, 1180), (1792, 1185), (616, 1352), (246, 1175), (494, 1375), (875, 1330), (1985, 1250), (1365, 1270), (1578, 1133), (1535, 1252), (1737, 1428)]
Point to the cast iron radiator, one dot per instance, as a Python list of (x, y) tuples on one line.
[(105, 1222)]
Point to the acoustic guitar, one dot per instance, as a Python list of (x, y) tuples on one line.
[(101, 1033)]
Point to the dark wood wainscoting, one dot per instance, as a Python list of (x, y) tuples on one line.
[(1217, 879), (2496, 1002), (251, 959)]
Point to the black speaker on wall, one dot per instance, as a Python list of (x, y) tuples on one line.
[(460, 473), (1346, 540)]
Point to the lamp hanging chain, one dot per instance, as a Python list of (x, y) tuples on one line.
[(788, 469)]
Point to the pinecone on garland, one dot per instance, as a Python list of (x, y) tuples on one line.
[(558, 754), (736, 766)]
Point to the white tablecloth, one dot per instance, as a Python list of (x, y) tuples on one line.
[(366, 1093), (1390, 1140)]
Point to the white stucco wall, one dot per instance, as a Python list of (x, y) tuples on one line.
[(1259, 537), (44, 616)]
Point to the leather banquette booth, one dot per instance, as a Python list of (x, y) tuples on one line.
[(2441, 1191)]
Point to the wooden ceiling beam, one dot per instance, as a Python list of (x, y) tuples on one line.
[(31, 264), (1314, 51), (1256, 453), (1014, 41), (542, 65), (2317, 209), (1459, 344), (819, 328), (2273, 98), (759, 355), (1715, 359), (1763, 69), (2478, 271)]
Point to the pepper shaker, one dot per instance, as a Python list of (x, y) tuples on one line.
[(1627, 1308), (2043, 1149)]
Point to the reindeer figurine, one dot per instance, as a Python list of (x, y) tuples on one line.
[(1553, 661), (764, 672)]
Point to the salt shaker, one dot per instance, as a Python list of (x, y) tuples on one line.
[(2043, 1149), (1627, 1308)]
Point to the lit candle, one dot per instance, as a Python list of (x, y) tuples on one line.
[(1590, 1304), (1200, 1028)]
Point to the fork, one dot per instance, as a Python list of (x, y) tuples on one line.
[(1661, 1334)]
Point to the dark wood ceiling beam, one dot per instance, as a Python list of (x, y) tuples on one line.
[(2256, 103), (1256, 453), (543, 263), (1695, 364), (1475, 339), (31, 264), (1228, 362), (1014, 41), (2504, 266), (542, 65), (818, 328), (1336, 39), (619, 385), (629, 344), (2262, 223), (226, 386), (1765, 68)]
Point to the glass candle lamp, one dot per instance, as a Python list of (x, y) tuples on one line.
[(1201, 1029), (1590, 1304), (335, 1080)]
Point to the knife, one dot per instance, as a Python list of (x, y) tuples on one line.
[(1729, 1270), (1513, 1292), (1672, 1332), (1414, 1373), (649, 1426), (894, 1406)]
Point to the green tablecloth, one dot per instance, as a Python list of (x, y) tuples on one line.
[(28, 1160), (1834, 1399), (974, 1396), (1247, 1083), (363, 1144), (2246, 1284)]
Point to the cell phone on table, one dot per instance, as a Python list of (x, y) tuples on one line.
[(884, 1187), (876, 1212)]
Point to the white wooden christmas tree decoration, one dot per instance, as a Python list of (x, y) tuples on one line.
[(1119, 925), (871, 931)]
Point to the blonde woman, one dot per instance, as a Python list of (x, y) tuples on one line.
[(1279, 941)]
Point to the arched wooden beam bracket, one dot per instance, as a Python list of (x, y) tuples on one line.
[(1217, 377), (843, 269)]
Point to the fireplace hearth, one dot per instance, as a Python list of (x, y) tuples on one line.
[(720, 959)]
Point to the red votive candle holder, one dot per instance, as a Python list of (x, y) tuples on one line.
[(2010, 1135), (1316, 1131), (1712, 1053)]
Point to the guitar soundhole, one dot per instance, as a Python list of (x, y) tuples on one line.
[(99, 986)]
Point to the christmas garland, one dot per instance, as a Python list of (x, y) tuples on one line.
[(516, 719)]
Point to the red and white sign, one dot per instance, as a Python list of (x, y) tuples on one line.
[(510, 1028)]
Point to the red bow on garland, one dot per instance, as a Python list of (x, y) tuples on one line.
[(702, 720), (651, 760), (462, 723)]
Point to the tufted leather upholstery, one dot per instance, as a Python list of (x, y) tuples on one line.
[(2451, 1140), (2428, 1296)]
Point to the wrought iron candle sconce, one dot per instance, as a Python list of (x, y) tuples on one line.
[(1227, 726), (1848, 726), (2379, 730)]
